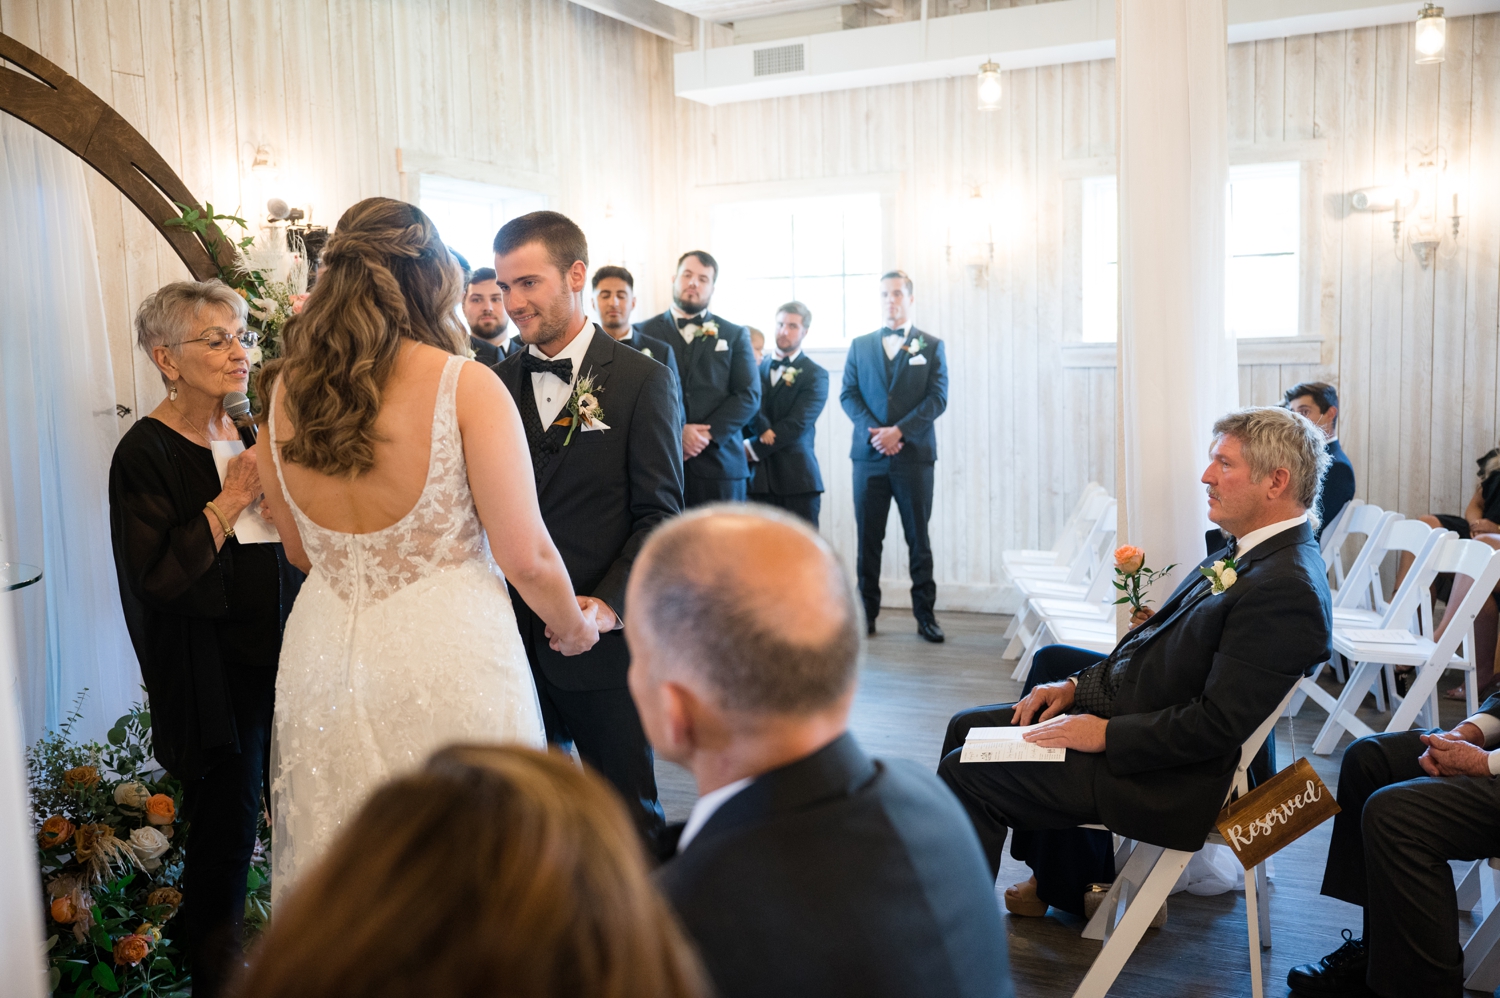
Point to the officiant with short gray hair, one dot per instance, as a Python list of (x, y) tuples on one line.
[(1154, 729)]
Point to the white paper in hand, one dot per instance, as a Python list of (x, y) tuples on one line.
[(249, 527), (1007, 744)]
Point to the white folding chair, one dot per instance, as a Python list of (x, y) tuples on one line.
[(1148, 877), (1068, 538), (1079, 567), (1482, 951), (1095, 605), (1410, 606), (1362, 597), (1334, 535), (1474, 560)]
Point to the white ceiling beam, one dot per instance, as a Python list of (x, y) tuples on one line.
[(648, 15), (1043, 34)]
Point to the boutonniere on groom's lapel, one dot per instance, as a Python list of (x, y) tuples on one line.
[(583, 408), (915, 346), (788, 375), (1222, 574), (709, 328), (646, 351)]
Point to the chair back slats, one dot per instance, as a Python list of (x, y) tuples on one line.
[(1361, 584)]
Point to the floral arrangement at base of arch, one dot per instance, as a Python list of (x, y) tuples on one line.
[(110, 850)]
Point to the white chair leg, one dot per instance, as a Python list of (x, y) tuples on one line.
[(1471, 692), (1340, 668), (1381, 685), (1166, 865), (1469, 889), (1015, 624), (1422, 687), (1252, 925), (1482, 955), (1023, 667), (1263, 900), (1128, 876), (1341, 718), (1300, 697)]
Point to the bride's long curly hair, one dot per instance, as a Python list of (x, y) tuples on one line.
[(384, 277)]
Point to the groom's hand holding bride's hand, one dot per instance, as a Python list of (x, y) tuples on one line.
[(598, 619)]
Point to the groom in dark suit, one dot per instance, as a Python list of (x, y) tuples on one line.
[(720, 389), (793, 392), (895, 387), (1155, 727), (608, 470)]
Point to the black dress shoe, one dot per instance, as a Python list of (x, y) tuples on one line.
[(870, 627), (1340, 974), (930, 631)]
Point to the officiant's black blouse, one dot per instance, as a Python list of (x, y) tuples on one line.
[(202, 621)]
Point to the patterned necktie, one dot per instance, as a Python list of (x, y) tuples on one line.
[(562, 370)]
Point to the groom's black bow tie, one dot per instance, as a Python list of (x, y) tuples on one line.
[(560, 369), (692, 320), (888, 331)]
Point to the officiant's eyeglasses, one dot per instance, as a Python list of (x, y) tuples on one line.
[(218, 340)]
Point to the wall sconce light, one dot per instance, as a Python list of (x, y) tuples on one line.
[(1419, 227), (989, 86), (971, 234), (1431, 34)]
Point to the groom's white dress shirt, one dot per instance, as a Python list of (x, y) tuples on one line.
[(551, 392), (704, 808), (892, 341)]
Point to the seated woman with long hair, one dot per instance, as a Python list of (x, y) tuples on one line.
[(492, 871)]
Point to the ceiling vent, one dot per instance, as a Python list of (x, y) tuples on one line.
[(778, 60)]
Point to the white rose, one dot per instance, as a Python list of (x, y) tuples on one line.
[(148, 844), (253, 356), (132, 795), (1227, 577)]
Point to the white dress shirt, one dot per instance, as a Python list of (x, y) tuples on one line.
[(704, 808), (1244, 544), (892, 341), (689, 332), (550, 391)]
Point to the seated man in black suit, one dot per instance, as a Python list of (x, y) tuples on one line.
[(489, 325), (1405, 811), (806, 868), (1319, 402), (793, 392), (1155, 728)]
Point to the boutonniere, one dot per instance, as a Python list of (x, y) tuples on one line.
[(916, 346), (1222, 574), (647, 351), (709, 328), (788, 375), (584, 408)]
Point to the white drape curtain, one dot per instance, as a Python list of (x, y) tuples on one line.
[(57, 403), (1177, 361)]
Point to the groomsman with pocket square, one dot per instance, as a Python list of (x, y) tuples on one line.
[(720, 387), (793, 392), (895, 388)]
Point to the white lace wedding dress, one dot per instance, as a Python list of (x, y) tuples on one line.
[(401, 641)]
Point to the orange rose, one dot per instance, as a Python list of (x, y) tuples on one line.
[(55, 831), (160, 810), (81, 778), (86, 841), (131, 950), (1129, 559), (64, 910), (165, 895)]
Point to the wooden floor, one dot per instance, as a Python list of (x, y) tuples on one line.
[(908, 691)]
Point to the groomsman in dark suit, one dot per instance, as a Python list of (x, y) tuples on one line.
[(614, 300), (489, 327), (602, 484), (895, 387), (793, 392), (1319, 402), (720, 389)]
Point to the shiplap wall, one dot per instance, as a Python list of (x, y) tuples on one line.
[(536, 88), (544, 87)]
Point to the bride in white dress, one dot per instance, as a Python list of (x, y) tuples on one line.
[(398, 476)]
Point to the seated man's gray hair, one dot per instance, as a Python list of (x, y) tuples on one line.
[(1272, 437), (748, 639)]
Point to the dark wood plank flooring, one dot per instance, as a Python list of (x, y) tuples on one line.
[(907, 692)]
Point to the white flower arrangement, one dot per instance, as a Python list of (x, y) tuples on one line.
[(1222, 574)]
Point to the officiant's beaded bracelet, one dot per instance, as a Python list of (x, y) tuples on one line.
[(223, 520)]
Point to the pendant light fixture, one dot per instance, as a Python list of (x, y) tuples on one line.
[(989, 86), (1431, 34)]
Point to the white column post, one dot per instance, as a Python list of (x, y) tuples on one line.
[(1176, 362)]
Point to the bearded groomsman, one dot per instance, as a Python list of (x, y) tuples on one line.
[(793, 392), (720, 389), (895, 387), (614, 300), (489, 326)]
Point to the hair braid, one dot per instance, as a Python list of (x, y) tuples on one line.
[(385, 277)]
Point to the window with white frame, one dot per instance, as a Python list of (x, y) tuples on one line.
[(821, 251), (468, 213), (1262, 262)]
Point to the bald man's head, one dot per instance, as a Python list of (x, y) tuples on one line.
[(751, 603)]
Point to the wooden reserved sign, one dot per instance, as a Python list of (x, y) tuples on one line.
[(1276, 814)]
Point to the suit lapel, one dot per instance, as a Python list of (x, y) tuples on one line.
[(596, 362)]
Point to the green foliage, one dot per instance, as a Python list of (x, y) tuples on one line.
[(115, 901)]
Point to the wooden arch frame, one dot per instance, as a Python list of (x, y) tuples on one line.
[(61, 107)]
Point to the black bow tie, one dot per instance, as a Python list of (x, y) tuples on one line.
[(782, 362), (560, 369), (692, 320), (888, 331)]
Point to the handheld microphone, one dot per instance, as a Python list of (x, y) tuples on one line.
[(237, 407)]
